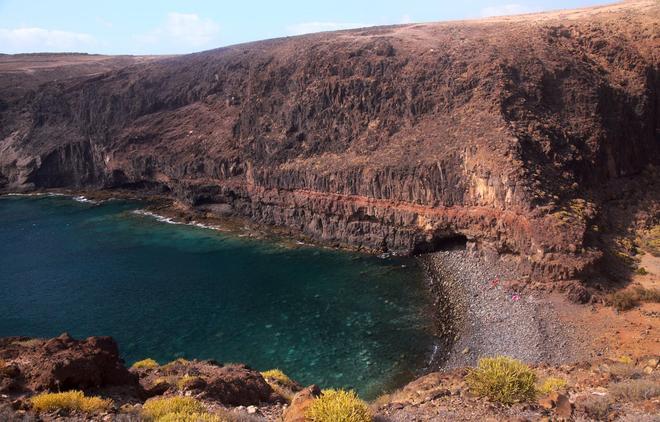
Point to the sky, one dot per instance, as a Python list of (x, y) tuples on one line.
[(176, 27)]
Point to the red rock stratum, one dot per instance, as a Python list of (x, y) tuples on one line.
[(505, 132)]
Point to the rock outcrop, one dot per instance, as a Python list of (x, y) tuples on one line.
[(231, 385), (29, 366), (503, 133), (623, 391), (62, 363), (300, 403)]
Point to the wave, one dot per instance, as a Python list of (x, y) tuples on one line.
[(36, 194), (85, 200), (169, 220), (78, 198)]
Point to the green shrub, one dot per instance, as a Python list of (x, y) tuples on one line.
[(279, 376), (155, 409), (552, 384), (280, 383), (178, 361), (145, 364), (502, 379), (185, 381), (70, 400), (190, 417), (627, 360), (338, 406), (641, 271), (160, 380)]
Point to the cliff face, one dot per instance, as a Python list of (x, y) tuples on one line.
[(502, 131)]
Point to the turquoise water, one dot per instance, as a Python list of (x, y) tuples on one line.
[(165, 291)]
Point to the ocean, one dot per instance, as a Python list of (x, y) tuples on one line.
[(164, 291)]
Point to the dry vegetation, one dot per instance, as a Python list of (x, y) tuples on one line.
[(145, 364), (627, 299), (502, 379), (186, 381), (650, 240), (190, 417), (70, 400), (280, 382), (278, 376), (552, 384), (171, 407), (636, 389), (595, 407), (338, 406)]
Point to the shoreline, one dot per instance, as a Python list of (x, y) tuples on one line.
[(166, 211), (478, 305), (494, 315)]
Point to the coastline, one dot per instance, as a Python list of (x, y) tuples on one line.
[(481, 308), (165, 211), (473, 315)]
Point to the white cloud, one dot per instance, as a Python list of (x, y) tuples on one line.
[(317, 26), (506, 9), (182, 33), (34, 40), (310, 27)]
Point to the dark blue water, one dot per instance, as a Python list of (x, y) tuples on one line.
[(164, 291)]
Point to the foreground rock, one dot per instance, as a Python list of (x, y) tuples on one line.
[(300, 403), (604, 389), (597, 391), (31, 366), (62, 363), (230, 385)]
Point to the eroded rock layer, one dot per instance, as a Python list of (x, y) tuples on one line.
[(501, 132)]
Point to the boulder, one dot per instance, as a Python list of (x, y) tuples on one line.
[(63, 363), (560, 402), (577, 293), (300, 403), (563, 407), (238, 385), (230, 385)]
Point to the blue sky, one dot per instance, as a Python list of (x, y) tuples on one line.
[(170, 27)]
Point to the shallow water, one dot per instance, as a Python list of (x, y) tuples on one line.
[(164, 291)]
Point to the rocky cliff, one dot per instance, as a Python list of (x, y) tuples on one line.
[(501, 132)]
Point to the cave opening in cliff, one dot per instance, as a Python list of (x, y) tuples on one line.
[(441, 242)]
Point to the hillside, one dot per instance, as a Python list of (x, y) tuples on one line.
[(508, 133)]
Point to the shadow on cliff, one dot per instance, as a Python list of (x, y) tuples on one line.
[(625, 210), (441, 242)]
